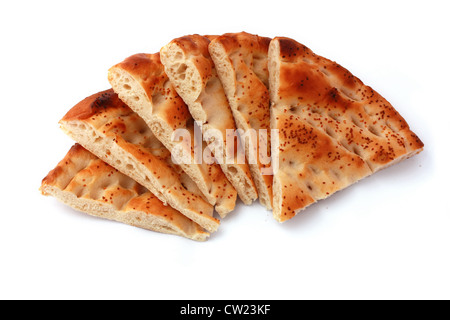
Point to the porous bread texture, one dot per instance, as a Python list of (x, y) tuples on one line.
[(334, 130), (108, 128), (191, 70), (241, 63), (87, 184), (140, 81)]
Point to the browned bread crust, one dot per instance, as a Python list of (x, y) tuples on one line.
[(107, 127), (192, 72), (88, 184), (334, 130), (241, 63), (141, 82)]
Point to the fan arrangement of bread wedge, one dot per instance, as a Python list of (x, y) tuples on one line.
[(325, 130)]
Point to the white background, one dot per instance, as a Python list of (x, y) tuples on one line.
[(387, 237)]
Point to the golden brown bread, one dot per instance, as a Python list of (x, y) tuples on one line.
[(140, 81), (107, 127), (86, 183), (192, 72), (334, 130), (241, 63)]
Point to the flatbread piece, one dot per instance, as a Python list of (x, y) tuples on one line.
[(192, 72), (334, 130), (141, 82), (108, 128), (241, 63), (87, 184)]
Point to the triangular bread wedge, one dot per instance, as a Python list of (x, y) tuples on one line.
[(140, 81), (191, 70), (108, 128), (241, 63), (87, 184), (333, 129)]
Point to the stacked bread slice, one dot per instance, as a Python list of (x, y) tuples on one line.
[(140, 81), (191, 70), (88, 184), (333, 129), (104, 125), (184, 131)]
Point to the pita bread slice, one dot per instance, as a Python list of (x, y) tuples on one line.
[(334, 130), (241, 63), (191, 70), (140, 81), (108, 128), (87, 184)]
